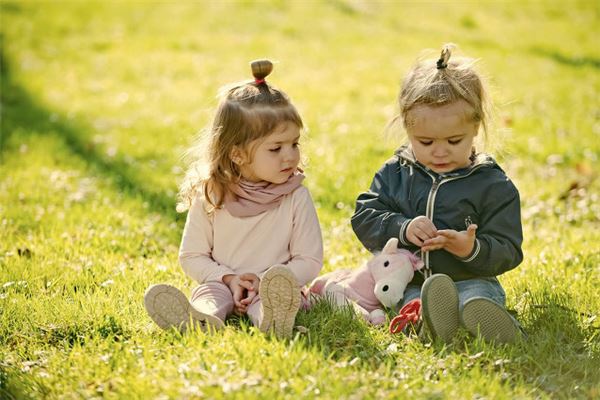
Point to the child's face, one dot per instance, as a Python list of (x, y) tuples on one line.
[(276, 157), (442, 136)]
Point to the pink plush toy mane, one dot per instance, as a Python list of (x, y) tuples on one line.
[(380, 282)]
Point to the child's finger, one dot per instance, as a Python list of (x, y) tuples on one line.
[(439, 239), (423, 235), (434, 243), (247, 285), (248, 299), (471, 229), (414, 239), (447, 233), (426, 229)]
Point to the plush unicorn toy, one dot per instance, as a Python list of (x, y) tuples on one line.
[(381, 281)]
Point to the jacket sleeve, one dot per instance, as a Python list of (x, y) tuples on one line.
[(376, 218), (306, 244), (498, 243), (195, 252)]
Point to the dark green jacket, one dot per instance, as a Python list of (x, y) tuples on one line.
[(481, 194)]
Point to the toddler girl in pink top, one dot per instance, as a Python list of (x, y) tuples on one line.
[(252, 237)]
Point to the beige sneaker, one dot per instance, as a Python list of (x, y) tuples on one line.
[(280, 296), (482, 316), (439, 307), (170, 308)]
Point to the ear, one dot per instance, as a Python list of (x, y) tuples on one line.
[(417, 263), (237, 156), (391, 246)]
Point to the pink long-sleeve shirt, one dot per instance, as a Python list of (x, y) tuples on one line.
[(220, 244)]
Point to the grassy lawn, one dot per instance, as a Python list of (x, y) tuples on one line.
[(99, 101)]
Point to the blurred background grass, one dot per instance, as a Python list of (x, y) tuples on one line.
[(100, 100)]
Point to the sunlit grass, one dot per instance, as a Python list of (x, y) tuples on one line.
[(99, 101)]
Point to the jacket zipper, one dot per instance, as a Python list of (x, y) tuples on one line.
[(429, 210)]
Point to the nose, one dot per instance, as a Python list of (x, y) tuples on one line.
[(290, 154), (439, 150)]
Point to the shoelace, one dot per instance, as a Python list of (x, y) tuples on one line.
[(410, 313)]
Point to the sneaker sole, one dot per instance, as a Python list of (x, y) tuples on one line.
[(170, 308), (483, 317), (280, 295), (439, 301)]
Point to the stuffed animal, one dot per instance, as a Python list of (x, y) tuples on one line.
[(380, 282)]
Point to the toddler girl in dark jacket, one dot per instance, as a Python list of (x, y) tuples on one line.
[(456, 206)]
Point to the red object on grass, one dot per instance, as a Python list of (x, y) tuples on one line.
[(410, 313)]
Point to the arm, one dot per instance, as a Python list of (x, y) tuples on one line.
[(375, 219), (497, 247), (306, 244), (195, 252)]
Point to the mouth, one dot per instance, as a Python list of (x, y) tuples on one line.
[(441, 165), (287, 170)]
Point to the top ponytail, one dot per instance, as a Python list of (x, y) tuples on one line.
[(443, 81), (442, 62), (260, 70)]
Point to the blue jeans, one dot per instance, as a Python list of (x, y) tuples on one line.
[(481, 287)]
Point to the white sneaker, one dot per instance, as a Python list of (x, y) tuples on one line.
[(279, 292), (170, 308)]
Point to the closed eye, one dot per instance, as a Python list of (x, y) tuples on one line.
[(456, 141), (425, 142), (275, 150)]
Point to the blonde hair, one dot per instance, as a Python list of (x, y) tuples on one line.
[(247, 111), (439, 82)]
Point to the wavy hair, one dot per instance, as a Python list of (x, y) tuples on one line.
[(247, 112)]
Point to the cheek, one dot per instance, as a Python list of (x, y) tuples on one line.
[(419, 150)]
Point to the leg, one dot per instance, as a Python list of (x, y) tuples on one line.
[(483, 312), (213, 298), (410, 293), (169, 308), (483, 287), (279, 302)]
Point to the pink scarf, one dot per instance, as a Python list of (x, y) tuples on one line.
[(251, 198)]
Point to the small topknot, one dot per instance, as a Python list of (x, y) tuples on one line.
[(261, 69), (442, 63)]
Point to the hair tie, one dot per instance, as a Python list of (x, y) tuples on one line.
[(259, 81), (442, 63)]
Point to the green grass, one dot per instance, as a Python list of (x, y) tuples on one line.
[(99, 101)]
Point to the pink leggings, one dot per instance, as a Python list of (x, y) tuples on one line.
[(215, 298)]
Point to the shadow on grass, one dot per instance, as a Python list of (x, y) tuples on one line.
[(21, 114), (562, 351), (335, 332), (338, 332), (566, 60)]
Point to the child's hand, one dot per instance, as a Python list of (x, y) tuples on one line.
[(419, 230), (238, 288), (458, 243), (253, 290)]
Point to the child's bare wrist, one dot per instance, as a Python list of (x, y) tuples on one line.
[(226, 279)]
